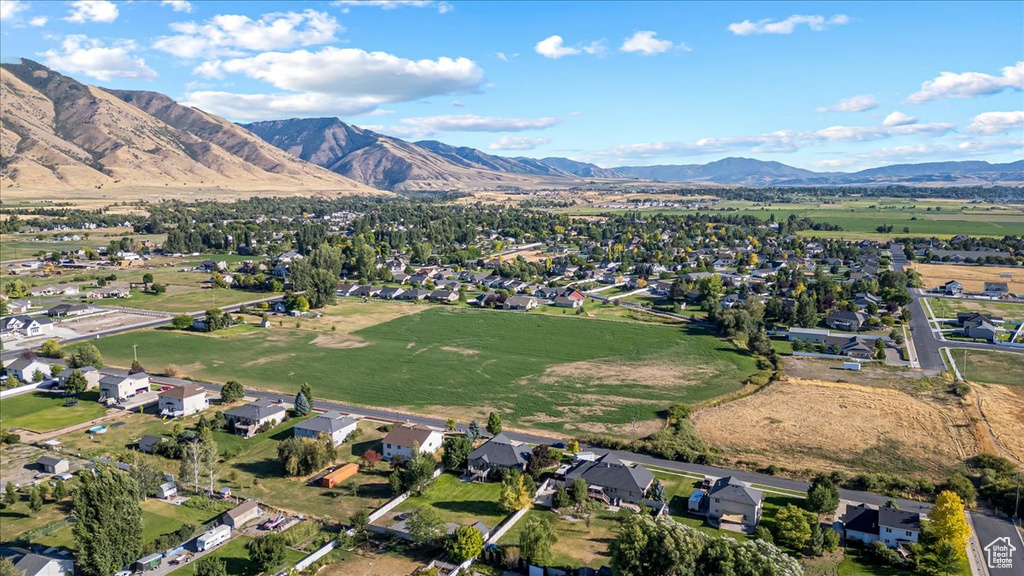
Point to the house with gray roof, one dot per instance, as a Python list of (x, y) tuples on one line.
[(498, 453), (995, 289), (333, 424), (148, 442), (121, 387), (25, 369), (39, 565), (892, 527), (249, 419), (612, 481), (92, 376), (846, 320), (733, 501)]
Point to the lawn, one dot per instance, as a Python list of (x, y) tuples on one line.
[(42, 412), (536, 370), (948, 308), (459, 502), (1005, 368), (236, 558), (577, 545)]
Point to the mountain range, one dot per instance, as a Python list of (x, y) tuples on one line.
[(57, 133)]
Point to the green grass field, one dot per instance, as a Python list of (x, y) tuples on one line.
[(459, 502), (1005, 368), (577, 544), (537, 370), (42, 412), (948, 308), (236, 559)]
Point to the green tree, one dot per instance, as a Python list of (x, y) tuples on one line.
[(473, 432), (360, 522), (946, 559), (658, 493), (76, 383), (823, 496), (465, 543), (879, 349), (182, 322), (35, 499), (51, 349), (267, 552), (158, 289), (301, 405), (7, 568), (147, 278), (515, 494), (147, 478), (536, 539), (494, 423), (86, 355), (232, 391), (710, 287), (307, 391), (426, 527), (579, 492), (10, 494), (456, 451), (792, 527), (542, 457), (38, 376), (60, 490), (831, 540), (561, 498), (450, 424), (108, 527), (210, 566)]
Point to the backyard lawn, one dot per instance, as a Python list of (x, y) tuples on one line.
[(535, 369), (42, 412), (236, 559), (577, 545), (459, 502)]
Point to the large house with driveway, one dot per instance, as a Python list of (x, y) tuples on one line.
[(498, 453), (24, 326), (401, 439), (249, 419), (734, 501), (333, 424), (184, 400), (888, 525), (122, 387), (612, 481)]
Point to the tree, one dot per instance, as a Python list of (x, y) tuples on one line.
[(946, 559), (60, 490), (232, 391), (302, 456), (536, 539), (948, 523), (136, 367), (86, 355), (10, 494), (360, 524), (301, 405), (267, 552), (831, 540), (494, 423), (579, 491), (473, 432), (879, 349), (371, 458), (426, 527), (51, 349), (542, 457), (413, 475), (210, 566), (456, 451), (823, 496), (515, 494), (710, 287), (7, 568), (450, 424), (38, 376), (182, 322), (147, 478), (658, 493), (792, 527), (816, 543), (963, 487), (307, 391), (108, 527), (35, 499), (465, 543), (76, 383)]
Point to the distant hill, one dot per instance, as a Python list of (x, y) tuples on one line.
[(58, 133), (740, 171)]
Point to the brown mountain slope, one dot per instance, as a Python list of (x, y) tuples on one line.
[(59, 134)]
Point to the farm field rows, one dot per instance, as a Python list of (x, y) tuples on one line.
[(566, 374)]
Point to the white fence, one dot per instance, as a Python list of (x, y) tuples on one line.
[(507, 525), (21, 389), (392, 504), (830, 356), (309, 560)]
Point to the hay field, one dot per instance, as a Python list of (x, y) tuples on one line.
[(972, 277), (1003, 410), (822, 425)]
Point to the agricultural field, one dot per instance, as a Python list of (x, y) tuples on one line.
[(972, 277), (991, 367), (949, 307), (25, 246), (1002, 408), (564, 374), (43, 412), (456, 501), (823, 425)]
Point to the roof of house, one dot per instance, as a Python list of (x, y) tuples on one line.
[(861, 518), (149, 441), (50, 460), (183, 391), (498, 451), (256, 411), (22, 363), (847, 315), (112, 379), (609, 472), (327, 423), (65, 373), (995, 286), (242, 509), (733, 490), (32, 564), (519, 300), (899, 519), (408, 435)]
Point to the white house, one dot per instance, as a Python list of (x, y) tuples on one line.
[(37, 565), (893, 527), (122, 387), (22, 325), (249, 419), (25, 368), (184, 400), (400, 440), (91, 374), (332, 424)]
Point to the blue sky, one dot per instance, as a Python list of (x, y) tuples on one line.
[(826, 86)]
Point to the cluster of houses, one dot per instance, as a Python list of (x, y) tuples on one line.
[(998, 290)]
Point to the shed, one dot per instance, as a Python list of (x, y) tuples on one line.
[(53, 465), (244, 512), (167, 490), (340, 475)]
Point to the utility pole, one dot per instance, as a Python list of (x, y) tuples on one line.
[(963, 371), (135, 352)]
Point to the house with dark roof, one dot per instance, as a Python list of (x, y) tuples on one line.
[(22, 325), (733, 501), (249, 419), (610, 480), (995, 289), (498, 453), (864, 299), (401, 439), (890, 526), (333, 424), (846, 320), (65, 310), (390, 293)]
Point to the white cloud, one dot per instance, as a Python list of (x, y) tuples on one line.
[(83, 55), (898, 119), (38, 21), (457, 104), (554, 47), (475, 123), (234, 34), (969, 84), (442, 7), (9, 8), (787, 26), (645, 43), (517, 143), (275, 106), (92, 11), (575, 113), (382, 112), (178, 5), (506, 57), (997, 122), (861, 103)]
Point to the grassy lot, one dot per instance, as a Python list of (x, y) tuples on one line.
[(1006, 368), (577, 544), (948, 308), (236, 557), (17, 519), (42, 412), (537, 370), (459, 502)]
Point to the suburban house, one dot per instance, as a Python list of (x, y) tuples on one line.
[(413, 294), (496, 454), (38, 565), (249, 419), (400, 441), (980, 327), (846, 320), (167, 490), (148, 442), (952, 288), (995, 289), (893, 527), (91, 374), (390, 293), (733, 501), (53, 464), (65, 310), (244, 512), (121, 387), (184, 400), (333, 424), (520, 302), (567, 302), (611, 481), (19, 306), (864, 299), (814, 335), (114, 290), (25, 369), (443, 296), (22, 325), (852, 346)]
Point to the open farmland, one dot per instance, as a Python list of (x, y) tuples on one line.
[(989, 367), (972, 277), (556, 373), (824, 425)]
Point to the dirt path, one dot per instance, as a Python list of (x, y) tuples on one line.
[(32, 437)]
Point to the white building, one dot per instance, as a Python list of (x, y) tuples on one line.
[(184, 400), (333, 424), (122, 387), (400, 441), (25, 368)]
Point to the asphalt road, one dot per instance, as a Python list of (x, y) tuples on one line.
[(990, 528)]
